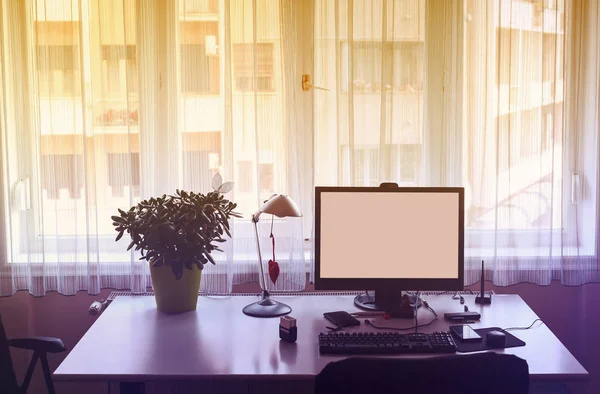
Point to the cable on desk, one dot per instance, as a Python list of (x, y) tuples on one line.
[(416, 311), (426, 305), (416, 326), (523, 328)]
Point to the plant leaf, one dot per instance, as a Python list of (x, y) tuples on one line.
[(178, 230), (225, 188), (209, 257), (119, 236), (217, 181)]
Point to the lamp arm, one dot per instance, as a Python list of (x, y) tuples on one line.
[(262, 274), (256, 216)]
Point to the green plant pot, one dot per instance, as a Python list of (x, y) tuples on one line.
[(172, 295)]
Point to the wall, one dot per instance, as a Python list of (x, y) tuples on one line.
[(568, 311)]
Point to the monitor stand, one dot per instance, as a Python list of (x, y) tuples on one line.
[(395, 303)]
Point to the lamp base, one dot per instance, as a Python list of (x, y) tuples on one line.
[(266, 308)]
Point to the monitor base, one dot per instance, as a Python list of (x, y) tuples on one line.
[(395, 303)]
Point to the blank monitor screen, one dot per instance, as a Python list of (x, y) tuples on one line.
[(389, 235)]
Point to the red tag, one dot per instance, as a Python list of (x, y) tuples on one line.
[(273, 270)]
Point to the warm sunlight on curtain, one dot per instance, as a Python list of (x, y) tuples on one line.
[(470, 93), (369, 129), (531, 178), (107, 102), (112, 101)]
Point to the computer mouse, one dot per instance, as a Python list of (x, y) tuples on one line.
[(495, 339)]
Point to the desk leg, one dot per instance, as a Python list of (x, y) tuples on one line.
[(132, 388)]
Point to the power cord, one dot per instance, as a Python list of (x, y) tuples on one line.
[(523, 328), (426, 305), (416, 326), (416, 311)]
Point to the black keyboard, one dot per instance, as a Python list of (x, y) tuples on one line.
[(385, 343)]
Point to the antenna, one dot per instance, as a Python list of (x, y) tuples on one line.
[(482, 284), (482, 299)]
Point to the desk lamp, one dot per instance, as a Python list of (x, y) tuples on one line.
[(281, 206)]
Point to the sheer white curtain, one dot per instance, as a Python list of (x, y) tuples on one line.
[(107, 102), (498, 96), (530, 140)]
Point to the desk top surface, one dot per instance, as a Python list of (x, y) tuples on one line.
[(132, 341)]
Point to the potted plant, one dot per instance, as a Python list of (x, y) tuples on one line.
[(176, 234)]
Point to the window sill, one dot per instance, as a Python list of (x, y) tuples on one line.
[(118, 261)]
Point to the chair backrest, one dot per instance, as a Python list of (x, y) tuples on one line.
[(8, 380), (488, 373)]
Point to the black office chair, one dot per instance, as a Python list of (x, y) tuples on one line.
[(482, 373), (40, 346)]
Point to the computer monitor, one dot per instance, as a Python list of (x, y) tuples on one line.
[(389, 239)]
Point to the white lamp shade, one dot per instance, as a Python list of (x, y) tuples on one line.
[(281, 206)]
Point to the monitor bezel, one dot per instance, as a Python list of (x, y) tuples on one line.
[(443, 284)]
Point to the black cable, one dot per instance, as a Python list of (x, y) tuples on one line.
[(523, 328), (416, 326), (426, 305), (416, 312)]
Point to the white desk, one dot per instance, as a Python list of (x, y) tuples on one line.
[(132, 342)]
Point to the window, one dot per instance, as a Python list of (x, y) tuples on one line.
[(200, 64), (199, 7), (525, 110), (120, 64), (407, 74), (243, 67), (201, 159), (123, 171), (266, 176), (130, 99), (406, 158), (57, 58), (58, 67), (244, 176), (62, 176)]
